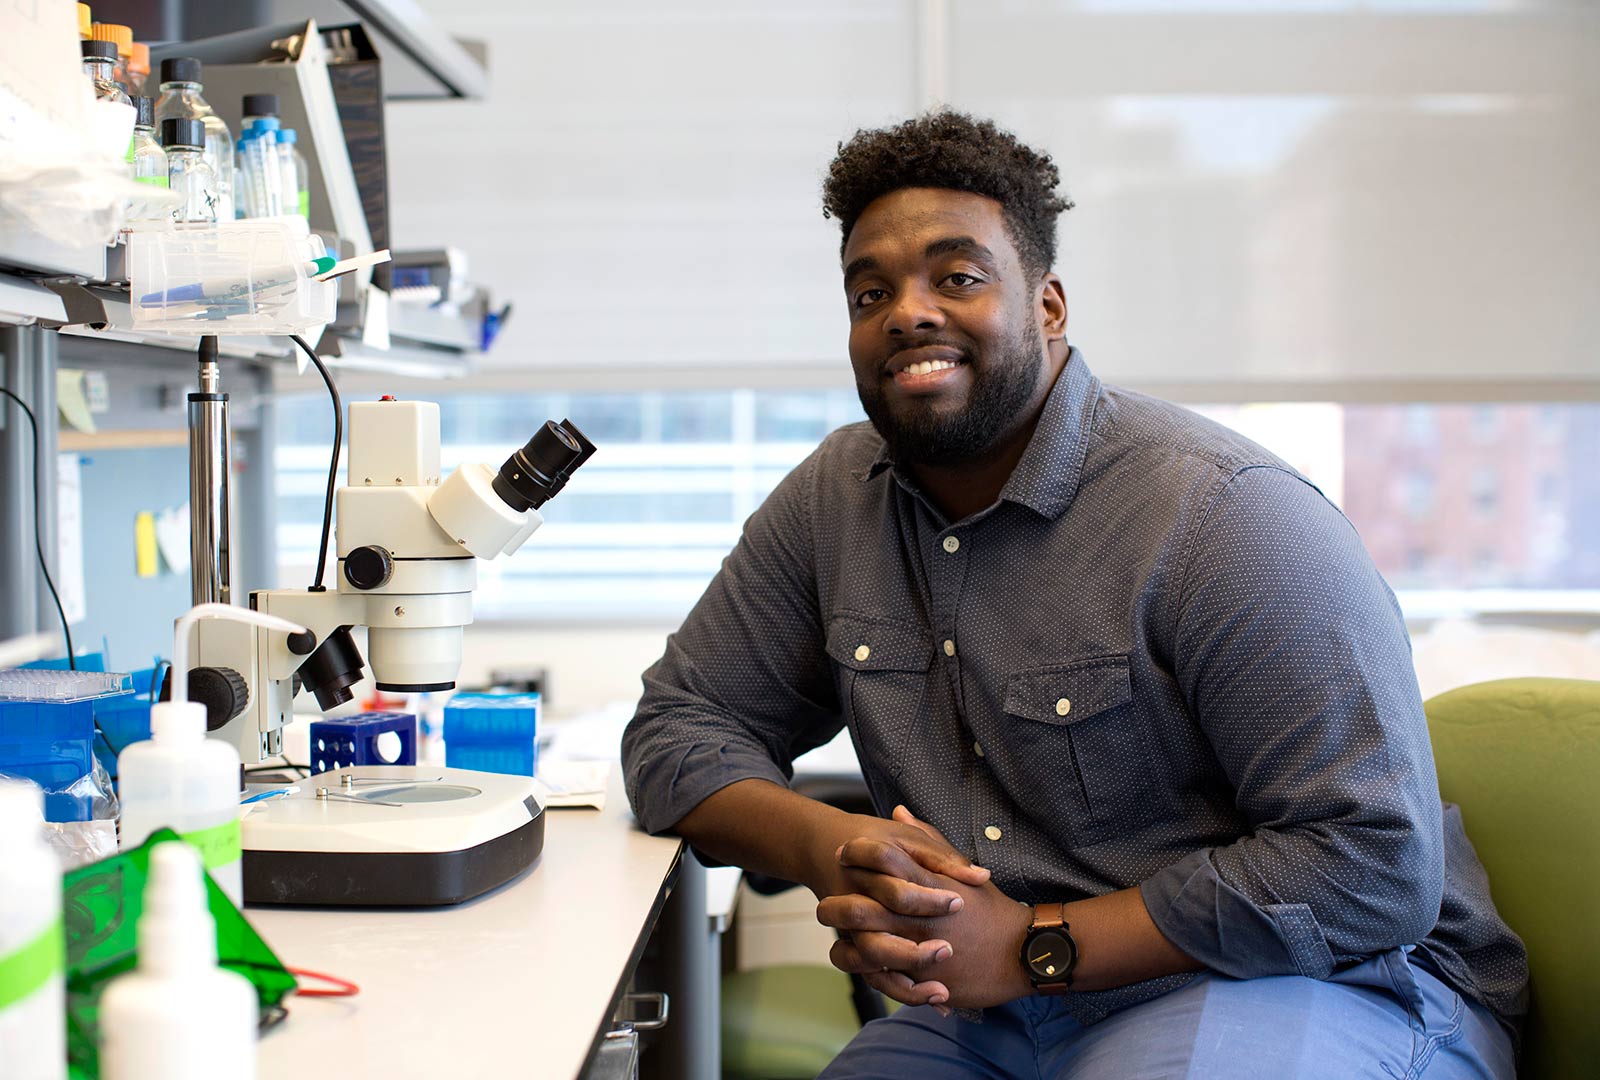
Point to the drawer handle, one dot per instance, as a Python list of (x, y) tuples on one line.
[(659, 1000)]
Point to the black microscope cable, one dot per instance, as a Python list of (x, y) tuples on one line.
[(38, 531), (333, 462), (44, 567)]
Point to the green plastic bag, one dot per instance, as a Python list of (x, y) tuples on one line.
[(101, 903)]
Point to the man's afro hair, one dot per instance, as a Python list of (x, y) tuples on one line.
[(948, 149)]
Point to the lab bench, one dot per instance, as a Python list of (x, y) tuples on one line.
[(522, 982)]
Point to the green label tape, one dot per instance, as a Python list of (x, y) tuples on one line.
[(219, 845), (31, 966), (154, 181), (305, 204)]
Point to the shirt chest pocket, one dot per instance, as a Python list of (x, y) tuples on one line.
[(1080, 741), (881, 666)]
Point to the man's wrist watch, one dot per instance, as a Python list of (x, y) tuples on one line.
[(1048, 952)]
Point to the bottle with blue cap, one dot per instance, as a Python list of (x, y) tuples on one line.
[(259, 158)]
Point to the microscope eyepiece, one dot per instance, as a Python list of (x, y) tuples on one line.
[(533, 475), (332, 669)]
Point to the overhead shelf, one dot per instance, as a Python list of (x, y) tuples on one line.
[(24, 302), (329, 89), (402, 358), (24, 249), (421, 61), (116, 324)]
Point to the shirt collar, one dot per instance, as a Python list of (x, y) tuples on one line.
[(1046, 479)]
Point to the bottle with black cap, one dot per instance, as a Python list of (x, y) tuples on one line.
[(188, 171), (259, 107), (148, 162), (260, 171), (100, 64), (180, 100)]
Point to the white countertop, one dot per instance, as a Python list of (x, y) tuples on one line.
[(515, 983)]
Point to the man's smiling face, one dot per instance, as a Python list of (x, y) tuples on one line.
[(945, 334)]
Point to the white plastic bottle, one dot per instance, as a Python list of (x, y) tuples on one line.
[(180, 779), (178, 1016), (33, 955)]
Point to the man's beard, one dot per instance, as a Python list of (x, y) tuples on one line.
[(1001, 387)]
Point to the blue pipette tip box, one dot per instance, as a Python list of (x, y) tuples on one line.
[(492, 732)]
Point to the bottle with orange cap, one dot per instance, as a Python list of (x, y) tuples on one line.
[(122, 37), (138, 68)]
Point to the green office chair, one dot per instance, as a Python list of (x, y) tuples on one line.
[(787, 1022), (1521, 758)]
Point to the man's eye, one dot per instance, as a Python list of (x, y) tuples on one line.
[(869, 296), (961, 281)]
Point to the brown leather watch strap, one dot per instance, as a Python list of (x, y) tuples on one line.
[(1044, 921)]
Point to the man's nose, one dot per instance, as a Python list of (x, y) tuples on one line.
[(913, 309)]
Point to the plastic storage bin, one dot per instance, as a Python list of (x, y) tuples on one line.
[(124, 719), (47, 732), (492, 733), (237, 277)]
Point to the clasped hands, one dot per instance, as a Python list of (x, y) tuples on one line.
[(917, 920)]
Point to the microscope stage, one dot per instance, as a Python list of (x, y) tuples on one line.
[(391, 835)]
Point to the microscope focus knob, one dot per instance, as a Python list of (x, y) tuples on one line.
[(221, 690), (369, 567)]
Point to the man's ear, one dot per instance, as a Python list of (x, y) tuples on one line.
[(1053, 308)]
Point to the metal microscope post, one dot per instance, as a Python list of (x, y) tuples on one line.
[(209, 497)]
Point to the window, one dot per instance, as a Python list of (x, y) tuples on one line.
[(638, 532), (641, 530), (1474, 497), (1485, 488)]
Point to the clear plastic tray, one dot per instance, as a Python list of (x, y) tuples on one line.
[(59, 687), (241, 277)]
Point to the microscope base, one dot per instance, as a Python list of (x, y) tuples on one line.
[(409, 836)]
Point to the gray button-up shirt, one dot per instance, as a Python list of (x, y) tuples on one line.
[(1161, 659)]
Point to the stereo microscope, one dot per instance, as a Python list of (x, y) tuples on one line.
[(408, 541)]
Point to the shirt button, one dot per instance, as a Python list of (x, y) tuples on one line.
[(992, 832), (951, 544), (949, 647), (1063, 707), (977, 748), (862, 652)]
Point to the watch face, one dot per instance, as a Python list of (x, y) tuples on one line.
[(1050, 955)]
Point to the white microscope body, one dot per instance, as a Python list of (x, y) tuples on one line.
[(407, 547)]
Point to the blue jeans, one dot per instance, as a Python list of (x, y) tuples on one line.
[(1389, 1018)]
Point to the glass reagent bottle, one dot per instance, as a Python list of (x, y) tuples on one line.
[(188, 171), (180, 99)]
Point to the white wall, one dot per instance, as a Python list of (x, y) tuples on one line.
[(590, 666), (595, 666), (1278, 199)]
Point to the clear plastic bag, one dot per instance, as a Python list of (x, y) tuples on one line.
[(78, 843)]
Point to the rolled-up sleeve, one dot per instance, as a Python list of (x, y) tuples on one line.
[(744, 686), (1292, 656)]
